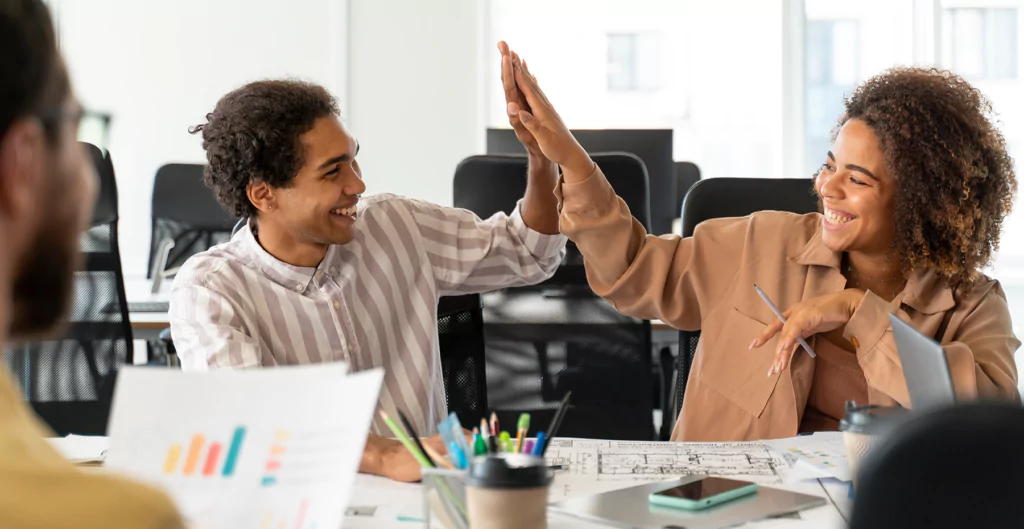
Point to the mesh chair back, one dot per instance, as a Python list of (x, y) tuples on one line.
[(460, 330), (185, 211), (540, 346), (733, 197), (69, 379)]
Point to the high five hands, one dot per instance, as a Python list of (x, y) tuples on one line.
[(535, 121)]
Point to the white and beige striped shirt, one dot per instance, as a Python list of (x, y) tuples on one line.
[(370, 303)]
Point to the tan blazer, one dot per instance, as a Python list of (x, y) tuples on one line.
[(707, 282)]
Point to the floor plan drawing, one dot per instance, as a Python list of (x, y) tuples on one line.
[(655, 461)]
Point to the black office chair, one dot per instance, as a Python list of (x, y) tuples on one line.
[(732, 197), (687, 174), (951, 468), (186, 215), (544, 341), (460, 330), (69, 379)]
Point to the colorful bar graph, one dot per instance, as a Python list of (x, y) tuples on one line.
[(195, 449), (276, 450), (273, 465), (269, 480), (236, 446), (211, 460), (171, 461)]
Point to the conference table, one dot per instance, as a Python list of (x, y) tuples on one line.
[(399, 506)]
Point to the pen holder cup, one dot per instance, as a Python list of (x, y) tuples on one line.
[(508, 491), (444, 499)]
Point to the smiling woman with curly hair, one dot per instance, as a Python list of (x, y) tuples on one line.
[(954, 179), (913, 191)]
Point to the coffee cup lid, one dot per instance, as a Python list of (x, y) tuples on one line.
[(871, 419), (509, 471)]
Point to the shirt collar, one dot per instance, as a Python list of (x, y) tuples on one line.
[(926, 291), (297, 278)]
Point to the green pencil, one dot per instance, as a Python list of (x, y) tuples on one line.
[(406, 442)]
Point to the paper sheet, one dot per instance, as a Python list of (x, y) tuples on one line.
[(599, 466), (822, 455), (81, 449), (260, 448)]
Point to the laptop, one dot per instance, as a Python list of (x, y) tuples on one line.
[(924, 367)]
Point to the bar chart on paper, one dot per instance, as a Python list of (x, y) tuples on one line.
[(238, 450), (218, 461)]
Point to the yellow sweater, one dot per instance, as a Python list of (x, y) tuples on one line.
[(40, 489)]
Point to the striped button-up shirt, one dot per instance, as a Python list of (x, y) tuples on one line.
[(370, 303)]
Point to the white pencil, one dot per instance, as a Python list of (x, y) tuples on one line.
[(782, 318)]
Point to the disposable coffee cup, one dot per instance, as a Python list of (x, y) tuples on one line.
[(508, 491), (863, 426)]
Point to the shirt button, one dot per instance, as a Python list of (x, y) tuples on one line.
[(300, 288), (337, 304), (855, 342), (333, 270), (351, 348), (319, 274)]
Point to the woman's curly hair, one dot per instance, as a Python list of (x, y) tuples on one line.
[(955, 180), (253, 135)]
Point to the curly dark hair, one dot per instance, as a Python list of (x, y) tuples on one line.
[(253, 136), (955, 180)]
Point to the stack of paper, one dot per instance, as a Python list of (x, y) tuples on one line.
[(261, 448), (822, 455)]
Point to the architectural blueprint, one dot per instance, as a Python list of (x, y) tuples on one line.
[(656, 461)]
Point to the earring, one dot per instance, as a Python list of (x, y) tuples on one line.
[(270, 207)]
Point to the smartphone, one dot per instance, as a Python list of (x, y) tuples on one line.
[(703, 493)]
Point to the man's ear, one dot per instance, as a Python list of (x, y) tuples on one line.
[(261, 195), (22, 168)]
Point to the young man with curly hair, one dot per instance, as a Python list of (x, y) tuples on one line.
[(914, 192), (322, 274)]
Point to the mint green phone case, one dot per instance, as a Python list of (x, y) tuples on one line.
[(704, 503)]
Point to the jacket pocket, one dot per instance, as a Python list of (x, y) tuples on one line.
[(731, 370)]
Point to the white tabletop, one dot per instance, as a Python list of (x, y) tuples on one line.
[(396, 505)]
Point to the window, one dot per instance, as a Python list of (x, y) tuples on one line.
[(633, 62), (980, 43), (833, 70), (844, 44)]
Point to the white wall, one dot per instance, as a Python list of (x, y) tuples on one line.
[(415, 92), (159, 66)]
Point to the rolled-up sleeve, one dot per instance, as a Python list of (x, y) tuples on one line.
[(670, 278), (468, 254)]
